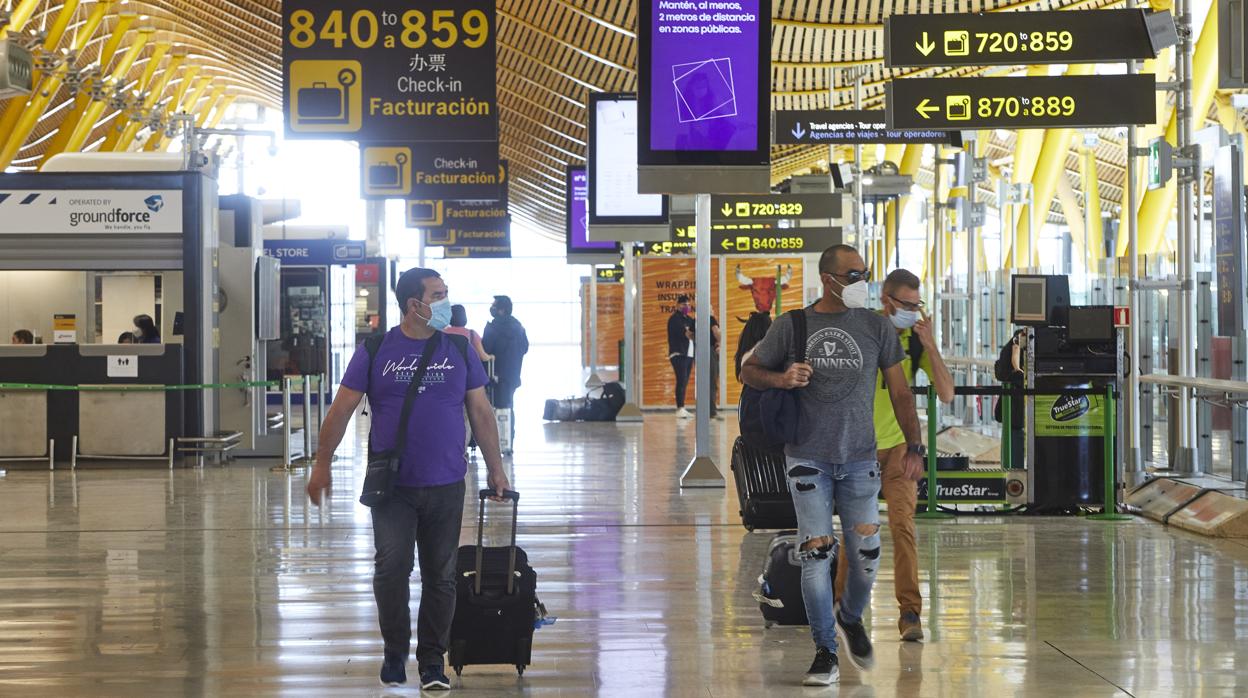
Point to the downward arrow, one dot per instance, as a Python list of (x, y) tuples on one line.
[(926, 46), (798, 131), (925, 110), (726, 210)]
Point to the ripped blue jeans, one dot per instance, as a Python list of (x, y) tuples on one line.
[(852, 489)]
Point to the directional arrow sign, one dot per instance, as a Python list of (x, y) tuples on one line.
[(787, 240), (775, 207), (1023, 38), (1029, 102), (847, 126)]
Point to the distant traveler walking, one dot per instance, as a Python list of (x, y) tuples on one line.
[(832, 463), (680, 350), (507, 341), (424, 512)]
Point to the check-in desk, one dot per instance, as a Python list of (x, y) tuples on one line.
[(94, 421)]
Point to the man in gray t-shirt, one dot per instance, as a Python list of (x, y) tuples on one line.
[(833, 466)]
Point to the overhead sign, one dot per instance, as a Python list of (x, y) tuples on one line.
[(775, 207), (1022, 103), (478, 233), (78, 212), (432, 213), (396, 70), (474, 252), (773, 240), (316, 253), (1228, 240), (848, 126), (704, 80), (450, 170), (610, 275), (1023, 38)]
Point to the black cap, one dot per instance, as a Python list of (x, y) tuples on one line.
[(412, 285)]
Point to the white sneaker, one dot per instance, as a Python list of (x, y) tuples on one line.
[(683, 413)]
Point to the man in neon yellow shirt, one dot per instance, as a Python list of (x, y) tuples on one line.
[(903, 305)]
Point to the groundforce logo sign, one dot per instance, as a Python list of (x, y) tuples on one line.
[(837, 361), (79, 212)]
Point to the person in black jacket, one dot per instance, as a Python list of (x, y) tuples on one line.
[(1009, 370), (680, 350), (507, 341)]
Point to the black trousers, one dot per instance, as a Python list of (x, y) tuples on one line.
[(423, 520), (683, 366)]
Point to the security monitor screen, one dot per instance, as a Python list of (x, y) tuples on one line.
[(1030, 303), (1091, 324)]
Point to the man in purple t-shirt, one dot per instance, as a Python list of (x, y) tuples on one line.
[(426, 510)]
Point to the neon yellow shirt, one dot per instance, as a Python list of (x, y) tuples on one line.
[(888, 432)]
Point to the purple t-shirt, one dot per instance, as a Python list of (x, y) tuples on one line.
[(434, 454)]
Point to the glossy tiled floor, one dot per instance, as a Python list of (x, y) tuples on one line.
[(225, 582)]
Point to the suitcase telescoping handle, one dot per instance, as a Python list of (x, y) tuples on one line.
[(515, 515)]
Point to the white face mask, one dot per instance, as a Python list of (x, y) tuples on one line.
[(904, 319), (854, 295)]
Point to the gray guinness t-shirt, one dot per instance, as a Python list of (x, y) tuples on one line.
[(846, 350)]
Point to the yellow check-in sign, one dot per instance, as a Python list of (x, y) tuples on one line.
[(387, 171)]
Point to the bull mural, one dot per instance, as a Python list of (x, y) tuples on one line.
[(764, 289)]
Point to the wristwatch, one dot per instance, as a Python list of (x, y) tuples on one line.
[(917, 449)]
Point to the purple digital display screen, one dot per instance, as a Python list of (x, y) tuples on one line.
[(704, 75), (578, 214)]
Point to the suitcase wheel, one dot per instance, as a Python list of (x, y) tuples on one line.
[(520, 669)]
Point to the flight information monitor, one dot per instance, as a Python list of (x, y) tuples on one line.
[(613, 197)]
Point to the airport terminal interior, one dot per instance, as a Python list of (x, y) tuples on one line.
[(565, 250)]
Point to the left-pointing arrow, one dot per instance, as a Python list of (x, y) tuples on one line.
[(925, 109), (727, 244)]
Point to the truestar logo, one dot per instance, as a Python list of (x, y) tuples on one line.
[(1068, 408)]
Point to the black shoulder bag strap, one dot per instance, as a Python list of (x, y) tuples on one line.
[(800, 335), (413, 390)]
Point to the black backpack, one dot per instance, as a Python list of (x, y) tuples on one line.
[(771, 418)]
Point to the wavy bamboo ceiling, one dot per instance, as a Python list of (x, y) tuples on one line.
[(551, 55)]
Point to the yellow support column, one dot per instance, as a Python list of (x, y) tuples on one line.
[(153, 96), (21, 15), (17, 107), (1092, 202), (175, 103), (87, 124), (70, 123), (1157, 207), (911, 159), (124, 121), (223, 107), (1027, 145), (214, 99)]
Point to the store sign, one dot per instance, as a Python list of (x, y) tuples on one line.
[(769, 240), (705, 74), (1070, 415), (849, 126), (479, 233), (451, 170), (315, 253), (396, 70), (1022, 103), (966, 488), (1023, 38), (432, 213), (775, 207), (88, 212)]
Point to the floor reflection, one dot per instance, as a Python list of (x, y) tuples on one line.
[(225, 581)]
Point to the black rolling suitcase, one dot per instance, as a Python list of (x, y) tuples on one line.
[(762, 488), (496, 606), (779, 594)]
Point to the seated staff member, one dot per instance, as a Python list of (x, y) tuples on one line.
[(903, 306)]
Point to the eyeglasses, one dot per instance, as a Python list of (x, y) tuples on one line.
[(906, 305), (855, 275)]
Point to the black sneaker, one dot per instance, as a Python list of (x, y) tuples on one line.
[(432, 679), (824, 671), (860, 652), (393, 671)]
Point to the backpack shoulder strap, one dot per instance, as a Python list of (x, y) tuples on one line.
[(461, 343), (800, 334)]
